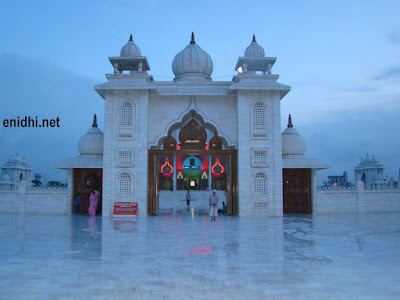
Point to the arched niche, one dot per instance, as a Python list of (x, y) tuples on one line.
[(175, 129)]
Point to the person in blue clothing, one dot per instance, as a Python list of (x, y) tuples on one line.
[(77, 206)]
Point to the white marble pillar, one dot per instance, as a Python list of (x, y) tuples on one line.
[(174, 172), (209, 173), (360, 194), (245, 68), (314, 196), (22, 197), (70, 197)]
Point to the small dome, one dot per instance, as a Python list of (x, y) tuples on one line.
[(193, 136), (254, 50), (192, 63), (11, 161), (292, 142), (130, 49), (215, 143), (92, 141), (170, 143), (18, 159), (366, 161)]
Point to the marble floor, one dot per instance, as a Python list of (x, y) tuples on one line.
[(185, 256)]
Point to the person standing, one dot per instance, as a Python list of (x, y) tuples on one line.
[(93, 199), (224, 208), (97, 193), (77, 206), (213, 202), (188, 198)]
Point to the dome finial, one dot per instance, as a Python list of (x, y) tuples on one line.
[(192, 40), (254, 38), (290, 121), (94, 121), (130, 38)]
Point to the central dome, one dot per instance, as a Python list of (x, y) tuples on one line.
[(192, 64)]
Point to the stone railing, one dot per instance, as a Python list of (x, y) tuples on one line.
[(337, 188), (7, 187), (368, 187), (381, 186), (47, 188)]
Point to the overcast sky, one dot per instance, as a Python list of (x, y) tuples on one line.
[(341, 58)]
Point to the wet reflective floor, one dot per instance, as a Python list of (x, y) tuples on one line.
[(185, 256)]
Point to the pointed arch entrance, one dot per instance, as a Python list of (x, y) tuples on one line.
[(191, 157)]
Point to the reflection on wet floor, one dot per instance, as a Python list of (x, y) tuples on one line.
[(188, 211), (181, 254)]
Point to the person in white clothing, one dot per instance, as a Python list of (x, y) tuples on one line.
[(213, 201)]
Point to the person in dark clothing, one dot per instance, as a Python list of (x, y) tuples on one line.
[(224, 209), (188, 198), (77, 206)]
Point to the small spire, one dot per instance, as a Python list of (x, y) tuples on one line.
[(192, 40), (94, 121), (130, 38), (254, 38), (290, 121)]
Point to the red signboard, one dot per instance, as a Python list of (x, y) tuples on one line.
[(125, 208)]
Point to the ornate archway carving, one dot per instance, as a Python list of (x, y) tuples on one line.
[(167, 142), (194, 112)]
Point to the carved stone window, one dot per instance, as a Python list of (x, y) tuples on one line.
[(259, 158), (126, 120), (125, 158), (126, 114), (125, 183), (259, 120), (259, 114), (260, 205), (260, 184)]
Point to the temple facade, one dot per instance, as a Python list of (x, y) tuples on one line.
[(370, 171), (13, 172), (164, 138)]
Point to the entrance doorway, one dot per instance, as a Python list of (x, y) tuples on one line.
[(297, 191), (85, 182), (173, 173), (192, 157)]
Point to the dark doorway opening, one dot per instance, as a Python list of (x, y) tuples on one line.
[(85, 182), (297, 191)]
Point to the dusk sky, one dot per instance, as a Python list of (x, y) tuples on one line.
[(341, 58)]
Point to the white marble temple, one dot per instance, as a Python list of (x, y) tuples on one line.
[(188, 257)]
